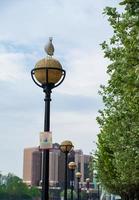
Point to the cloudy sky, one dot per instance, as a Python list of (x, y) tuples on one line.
[(77, 28)]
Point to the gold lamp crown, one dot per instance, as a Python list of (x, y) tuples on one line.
[(66, 146), (78, 174), (87, 180), (48, 70), (72, 165)]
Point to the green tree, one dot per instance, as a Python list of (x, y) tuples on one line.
[(118, 140), (34, 192), (12, 187)]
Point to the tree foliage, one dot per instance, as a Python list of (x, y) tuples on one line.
[(118, 140), (12, 187)]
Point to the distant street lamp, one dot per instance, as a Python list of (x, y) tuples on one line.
[(47, 74), (98, 189), (87, 187), (72, 166), (66, 147), (78, 176), (98, 183)]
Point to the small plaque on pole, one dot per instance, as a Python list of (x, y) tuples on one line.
[(45, 140)]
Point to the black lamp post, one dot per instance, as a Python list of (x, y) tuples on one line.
[(72, 166), (98, 189), (95, 175), (47, 74), (87, 187), (78, 176), (66, 147)]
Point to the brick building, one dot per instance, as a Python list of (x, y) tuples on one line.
[(32, 165)]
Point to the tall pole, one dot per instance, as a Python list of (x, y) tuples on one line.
[(66, 163), (87, 194), (72, 165), (45, 181), (78, 176), (78, 189), (65, 147), (98, 192), (47, 74), (72, 183), (87, 187)]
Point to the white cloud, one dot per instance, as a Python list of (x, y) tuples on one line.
[(81, 129), (70, 21), (12, 66), (86, 71)]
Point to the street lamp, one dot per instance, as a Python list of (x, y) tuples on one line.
[(72, 166), (87, 186), (98, 187), (47, 74), (98, 183), (65, 147), (78, 176)]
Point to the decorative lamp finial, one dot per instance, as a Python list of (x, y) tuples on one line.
[(49, 48)]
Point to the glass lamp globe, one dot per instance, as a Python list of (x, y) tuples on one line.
[(66, 146)]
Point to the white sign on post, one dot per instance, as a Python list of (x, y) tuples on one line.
[(45, 140)]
